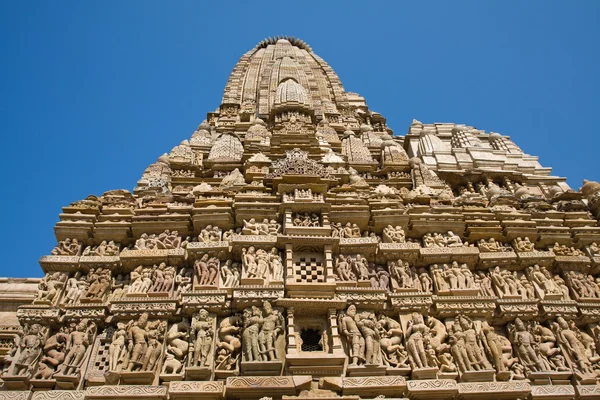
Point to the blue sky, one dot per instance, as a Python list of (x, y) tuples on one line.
[(91, 92)]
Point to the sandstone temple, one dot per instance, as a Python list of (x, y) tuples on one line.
[(294, 247)]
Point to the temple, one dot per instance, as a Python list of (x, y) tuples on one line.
[(294, 247)]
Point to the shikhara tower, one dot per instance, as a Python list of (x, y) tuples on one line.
[(294, 246)]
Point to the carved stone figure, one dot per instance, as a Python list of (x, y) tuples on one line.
[(390, 332), (144, 344), (201, 335), (253, 321), (230, 274), (49, 288), (524, 245), (351, 332), (77, 344), (53, 354), (229, 343), (417, 334), (177, 347), (272, 327), (394, 234), (67, 247), (117, 351)]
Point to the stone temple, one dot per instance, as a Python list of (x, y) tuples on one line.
[(295, 248)]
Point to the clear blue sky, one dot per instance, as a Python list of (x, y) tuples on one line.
[(92, 92)]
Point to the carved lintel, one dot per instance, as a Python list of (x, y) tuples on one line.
[(78, 311), (154, 256), (259, 386), (558, 392), (255, 295), (196, 390), (411, 301), (541, 258), (471, 306), (587, 392), (501, 259), (432, 389), (211, 248), (212, 300), (364, 297), (29, 314), (138, 392), (15, 394), (556, 308), (440, 255), (59, 263), (497, 390), (590, 312), (134, 307), (58, 395), (392, 251), (517, 308), (110, 262), (391, 386)]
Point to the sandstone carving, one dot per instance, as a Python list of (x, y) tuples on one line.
[(295, 246)]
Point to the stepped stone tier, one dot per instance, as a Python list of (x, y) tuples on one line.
[(294, 247)]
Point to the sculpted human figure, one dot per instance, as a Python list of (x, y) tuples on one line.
[(416, 332), (573, 345), (201, 268), (252, 324), (426, 281), (53, 355), (50, 286), (354, 338), (391, 335), (73, 289), (262, 263), (452, 240), (382, 278), (155, 347), (270, 330), (368, 328), (343, 269), (202, 338), (117, 349), (230, 274), (249, 262), (136, 342), (524, 245), (229, 344), (177, 338), (475, 353), (77, 345), (213, 272), (458, 348), (539, 276), (275, 265), (495, 346), (136, 281), (359, 266), (547, 349)]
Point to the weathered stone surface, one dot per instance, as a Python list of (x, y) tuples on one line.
[(293, 239)]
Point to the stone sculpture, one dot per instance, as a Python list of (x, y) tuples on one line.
[(374, 245)]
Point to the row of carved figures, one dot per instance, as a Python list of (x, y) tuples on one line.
[(259, 266), (172, 239), (427, 346)]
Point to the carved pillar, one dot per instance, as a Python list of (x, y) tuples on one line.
[(287, 220), (336, 341), (289, 263), (329, 276), (291, 332)]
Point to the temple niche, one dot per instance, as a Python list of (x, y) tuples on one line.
[(294, 247)]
